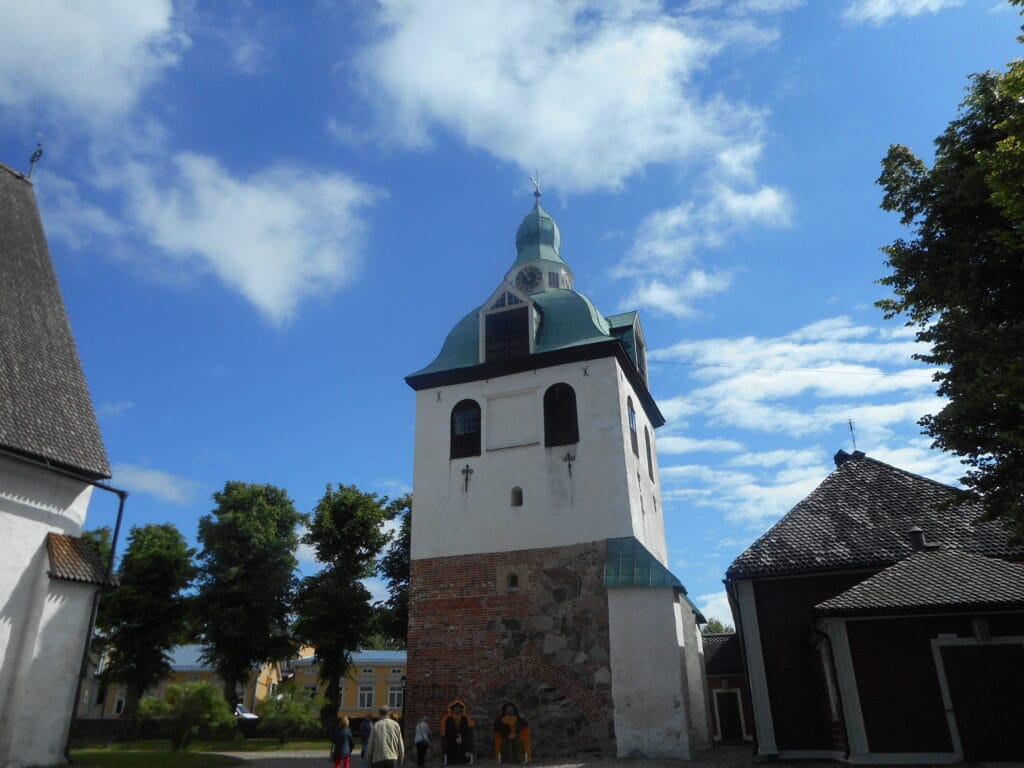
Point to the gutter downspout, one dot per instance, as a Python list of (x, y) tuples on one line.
[(121, 495)]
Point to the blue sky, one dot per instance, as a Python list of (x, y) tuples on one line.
[(264, 215)]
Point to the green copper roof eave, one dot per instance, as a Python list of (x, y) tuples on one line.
[(622, 320)]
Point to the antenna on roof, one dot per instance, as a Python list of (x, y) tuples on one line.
[(34, 159), (853, 434), (536, 185)]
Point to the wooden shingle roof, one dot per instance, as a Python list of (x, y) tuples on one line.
[(722, 654), (860, 516), (46, 412), (935, 580), (71, 559)]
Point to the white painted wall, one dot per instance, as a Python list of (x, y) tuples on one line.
[(696, 679), (42, 621), (649, 675), (601, 500)]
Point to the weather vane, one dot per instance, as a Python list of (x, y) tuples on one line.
[(34, 159), (536, 185)]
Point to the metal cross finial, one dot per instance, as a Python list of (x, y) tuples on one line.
[(569, 458), (34, 159), (536, 185), (853, 435), (466, 472)]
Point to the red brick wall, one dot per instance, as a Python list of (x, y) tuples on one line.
[(544, 646)]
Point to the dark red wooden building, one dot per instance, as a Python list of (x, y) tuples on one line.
[(881, 623), (732, 721)]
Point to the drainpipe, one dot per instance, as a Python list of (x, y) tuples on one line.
[(121, 495)]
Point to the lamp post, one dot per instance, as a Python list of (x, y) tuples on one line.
[(404, 681)]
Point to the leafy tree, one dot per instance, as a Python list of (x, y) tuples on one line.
[(246, 580), (195, 709), (333, 606), (960, 282), (716, 627), (393, 621), (144, 616)]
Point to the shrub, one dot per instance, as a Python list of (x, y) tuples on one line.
[(290, 714), (151, 709), (196, 709)]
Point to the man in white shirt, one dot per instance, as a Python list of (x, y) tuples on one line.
[(386, 748)]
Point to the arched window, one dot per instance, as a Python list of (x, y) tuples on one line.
[(632, 426), (560, 424), (650, 463), (513, 582), (465, 429), (517, 497)]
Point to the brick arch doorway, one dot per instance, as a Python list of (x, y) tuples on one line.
[(565, 717)]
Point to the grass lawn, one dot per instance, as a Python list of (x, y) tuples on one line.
[(156, 753)]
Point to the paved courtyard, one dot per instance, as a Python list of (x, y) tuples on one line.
[(739, 757)]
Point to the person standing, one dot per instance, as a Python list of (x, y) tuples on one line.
[(342, 743), (386, 748), (422, 740), (365, 728)]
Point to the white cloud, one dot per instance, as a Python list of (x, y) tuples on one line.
[(92, 58), (156, 482), (277, 236), (715, 605), (878, 12), (115, 408), (589, 93), (663, 257), (68, 214)]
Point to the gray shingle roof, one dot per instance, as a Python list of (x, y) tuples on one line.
[(71, 559), (722, 654), (934, 580), (46, 412), (859, 517)]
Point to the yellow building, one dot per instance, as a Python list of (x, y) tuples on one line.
[(375, 678), (100, 700)]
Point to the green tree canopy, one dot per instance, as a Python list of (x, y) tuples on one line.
[(246, 583), (716, 627), (960, 282), (333, 608), (394, 568), (144, 617)]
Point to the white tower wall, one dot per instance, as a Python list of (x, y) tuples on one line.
[(608, 495)]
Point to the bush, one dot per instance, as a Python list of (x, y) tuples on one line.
[(151, 709), (290, 714), (196, 709)]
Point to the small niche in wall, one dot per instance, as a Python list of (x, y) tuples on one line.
[(512, 583), (517, 497)]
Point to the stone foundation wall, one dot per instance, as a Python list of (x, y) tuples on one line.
[(528, 626)]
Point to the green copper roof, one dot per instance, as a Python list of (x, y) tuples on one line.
[(538, 237), (629, 564), (569, 319)]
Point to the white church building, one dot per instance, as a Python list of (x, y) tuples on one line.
[(50, 454), (539, 572)]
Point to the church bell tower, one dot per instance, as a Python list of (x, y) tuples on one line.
[(539, 569)]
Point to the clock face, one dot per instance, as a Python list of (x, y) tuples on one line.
[(528, 278)]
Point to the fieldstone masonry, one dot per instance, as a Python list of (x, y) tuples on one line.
[(529, 626)]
